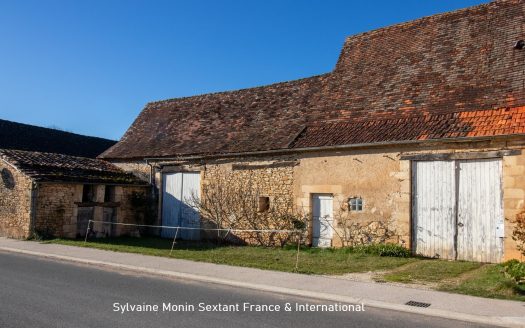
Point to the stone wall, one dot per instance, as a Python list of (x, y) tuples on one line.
[(513, 200), (135, 207), (378, 175), (380, 178), (269, 177), (140, 169), (383, 180), (56, 211), (273, 179), (15, 203), (58, 207)]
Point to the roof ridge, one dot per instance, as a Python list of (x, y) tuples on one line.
[(357, 35), (304, 79), (425, 18)]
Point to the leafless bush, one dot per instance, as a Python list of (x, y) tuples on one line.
[(232, 202), (518, 234), (353, 232)]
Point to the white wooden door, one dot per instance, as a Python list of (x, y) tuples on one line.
[(322, 215), (458, 209), (434, 213), (480, 211), (177, 210)]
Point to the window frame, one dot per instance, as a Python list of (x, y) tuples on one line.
[(88, 193), (356, 204)]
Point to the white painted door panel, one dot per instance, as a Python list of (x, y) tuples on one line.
[(176, 204), (480, 211), (434, 208), (171, 196), (190, 217), (322, 214)]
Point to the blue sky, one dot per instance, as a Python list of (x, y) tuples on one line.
[(90, 66)]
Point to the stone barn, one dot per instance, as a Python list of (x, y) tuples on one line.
[(416, 137), (49, 194)]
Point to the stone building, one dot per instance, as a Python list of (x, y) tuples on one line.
[(416, 137), (49, 194)]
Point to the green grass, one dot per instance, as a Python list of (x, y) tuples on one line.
[(430, 271), (487, 281), (311, 260)]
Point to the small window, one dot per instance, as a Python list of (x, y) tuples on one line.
[(355, 204), (88, 194), (109, 194), (8, 179), (264, 203)]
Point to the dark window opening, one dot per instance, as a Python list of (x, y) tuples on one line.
[(109, 194), (264, 203), (88, 194), (8, 179), (355, 204)]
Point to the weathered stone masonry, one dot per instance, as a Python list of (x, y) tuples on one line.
[(15, 202), (56, 210)]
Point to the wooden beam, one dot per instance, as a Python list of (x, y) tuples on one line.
[(455, 156), (264, 166)]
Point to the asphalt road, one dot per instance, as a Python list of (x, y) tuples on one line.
[(36, 292)]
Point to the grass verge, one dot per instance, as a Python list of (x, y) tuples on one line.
[(487, 281), (311, 260), (430, 271)]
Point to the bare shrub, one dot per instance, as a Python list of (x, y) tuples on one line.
[(231, 201), (353, 232), (518, 234)]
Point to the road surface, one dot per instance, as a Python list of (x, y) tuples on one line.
[(38, 292)]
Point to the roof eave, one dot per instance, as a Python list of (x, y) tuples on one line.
[(335, 147)]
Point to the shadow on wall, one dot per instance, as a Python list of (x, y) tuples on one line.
[(176, 213)]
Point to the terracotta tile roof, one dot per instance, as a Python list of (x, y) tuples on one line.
[(454, 62), (481, 123), (51, 167), (20, 136)]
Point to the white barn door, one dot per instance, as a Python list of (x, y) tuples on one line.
[(434, 212), (480, 211), (322, 215), (177, 211), (458, 210)]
